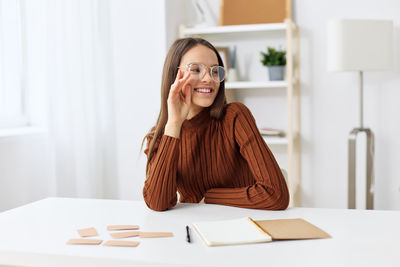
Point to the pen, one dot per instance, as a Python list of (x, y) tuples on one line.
[(187, 234)]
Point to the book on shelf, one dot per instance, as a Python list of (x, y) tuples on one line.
[(248, 231), (272, 132)]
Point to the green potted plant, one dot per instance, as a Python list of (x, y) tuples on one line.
[(275, 61)]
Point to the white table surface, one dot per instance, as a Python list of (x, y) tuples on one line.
[(35, 235)]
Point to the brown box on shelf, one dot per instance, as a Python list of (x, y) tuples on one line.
[(235, 12)]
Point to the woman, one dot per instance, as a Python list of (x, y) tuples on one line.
[(202, 147)]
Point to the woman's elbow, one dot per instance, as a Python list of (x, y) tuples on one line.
[(276, 201), (156, 204), (282, 204), (156, 207), (282, 201)]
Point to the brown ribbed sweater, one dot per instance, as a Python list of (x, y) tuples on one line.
[(225, 161)]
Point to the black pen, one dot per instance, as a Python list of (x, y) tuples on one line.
[(187, 234)]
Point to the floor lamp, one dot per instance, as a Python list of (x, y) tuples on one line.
[(360, 45)]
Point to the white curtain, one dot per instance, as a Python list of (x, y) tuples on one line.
[(81, 113)]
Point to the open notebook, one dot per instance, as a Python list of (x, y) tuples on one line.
[(247, 231)]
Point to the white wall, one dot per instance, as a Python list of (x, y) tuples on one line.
[(25, 175), (330, 107), (138, 45)]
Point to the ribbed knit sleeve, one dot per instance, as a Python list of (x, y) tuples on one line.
[(159, 191), (269, 190)]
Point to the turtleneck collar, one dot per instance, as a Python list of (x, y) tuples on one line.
[(199, 120)]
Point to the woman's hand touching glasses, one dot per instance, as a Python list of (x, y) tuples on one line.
[(179, 101)]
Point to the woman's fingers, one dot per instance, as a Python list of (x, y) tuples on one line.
[(177, 87), (184, 78), (186, 89), (176, 82), (180, 92), (178, 76), (188, 93), (179, 98)]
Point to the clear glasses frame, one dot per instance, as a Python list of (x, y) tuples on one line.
[(217, 73)]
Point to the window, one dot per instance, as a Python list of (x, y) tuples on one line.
[(12, 65)]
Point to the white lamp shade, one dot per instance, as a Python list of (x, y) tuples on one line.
[(360, 45)]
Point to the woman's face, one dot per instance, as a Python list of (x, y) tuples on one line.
[(204, 87)]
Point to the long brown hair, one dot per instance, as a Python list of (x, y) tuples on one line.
[(170, 70)]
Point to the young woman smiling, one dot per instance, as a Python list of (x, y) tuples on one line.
[(202, 147)]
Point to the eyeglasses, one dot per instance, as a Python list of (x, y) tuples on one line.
[(198, 70)]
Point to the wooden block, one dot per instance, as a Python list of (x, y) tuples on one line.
[(155, 234), (125, 234), (119, 243), (122, 227), (88, 232), (84, 241)]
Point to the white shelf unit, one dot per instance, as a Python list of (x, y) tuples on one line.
[(235, 29), (255, 85), (291, 85), (276, 140)]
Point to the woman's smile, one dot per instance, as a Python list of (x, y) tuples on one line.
[(204, 90)]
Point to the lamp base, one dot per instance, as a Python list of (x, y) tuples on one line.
[(369, 167)]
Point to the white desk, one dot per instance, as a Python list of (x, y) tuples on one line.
[(35, 235)]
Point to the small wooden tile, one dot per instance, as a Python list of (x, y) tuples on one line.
[(122, 227), (119, 243), (88, 232), (155, 234), (125, 234), (84, 241)]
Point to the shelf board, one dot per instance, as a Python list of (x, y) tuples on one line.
[(236, 29), (255, 85), (276, 140)]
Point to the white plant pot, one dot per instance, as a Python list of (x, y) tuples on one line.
[(276, 73)]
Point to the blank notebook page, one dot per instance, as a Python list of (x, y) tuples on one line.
[(230, 232)]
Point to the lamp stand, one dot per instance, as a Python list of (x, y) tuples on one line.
[(369, 159)]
